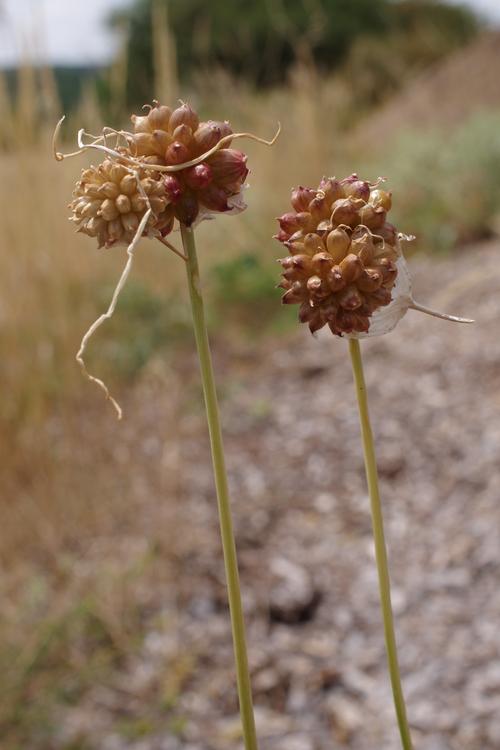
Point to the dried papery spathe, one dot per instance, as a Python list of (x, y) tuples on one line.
[(346, 267), (385, 319)]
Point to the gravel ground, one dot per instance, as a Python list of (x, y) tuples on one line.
[(305, 546)]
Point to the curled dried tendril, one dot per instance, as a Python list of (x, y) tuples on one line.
[(98, 142), (150, 206)]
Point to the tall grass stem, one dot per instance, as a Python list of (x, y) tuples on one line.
[(226, 524), (380, 546)]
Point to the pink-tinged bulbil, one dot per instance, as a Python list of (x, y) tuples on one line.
[(355, 188), (214, 198), (198, 177), (173, 187), (228, 166), (183, 115), (301, 198), (177, 153)]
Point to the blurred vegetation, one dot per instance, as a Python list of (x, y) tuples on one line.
[(446, 184), (155, 323), (420, 33), (244, 295), (261, 41)]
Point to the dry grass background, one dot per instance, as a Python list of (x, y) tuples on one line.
[(92, 526)]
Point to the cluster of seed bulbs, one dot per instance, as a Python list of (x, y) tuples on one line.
[(110, 199), (343, 253)]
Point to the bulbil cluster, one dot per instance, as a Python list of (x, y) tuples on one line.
[(110, 200), (167, 138), (343, 253)]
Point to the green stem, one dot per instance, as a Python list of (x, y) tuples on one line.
[(380, 547), (226, 524)]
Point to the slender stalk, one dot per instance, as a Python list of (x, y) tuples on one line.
[(226, 524), (380, 547)]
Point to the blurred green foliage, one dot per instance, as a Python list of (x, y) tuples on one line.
[(144, 324), (446, 184), (261, 40), (243, 291)]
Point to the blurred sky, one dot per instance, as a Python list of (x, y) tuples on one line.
[(74, 32)]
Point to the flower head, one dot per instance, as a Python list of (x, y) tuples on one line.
[(343, 261), (173, 138)]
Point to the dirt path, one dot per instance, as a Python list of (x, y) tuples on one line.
[(305, 545)]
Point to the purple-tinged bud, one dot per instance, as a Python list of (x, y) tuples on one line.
[(356, 189), (159, 117), (351, 267), (350, 298), (345, 211), (370, 280), (287, 262), (296, 293), (289, 223), (162, 140), (183, 134), (167, 226), (284, 284), (173, 188), (306, 312), (198, 177), (177, 153), (226, 130), (337, 243), (302, 264), (335, 279), (143, 144), (317, 287), (332, 189), (282, 236), (228, 166), (329, 310), (352, 178), (389, 233), (319, 208), (186, 209), (362, 323), (296, 247), (214, 198), (184, 115), (313, 243), (362, 245), (372, 217), (316, 322), (207, 136), (301, 198), (388, 269), (321, 263)]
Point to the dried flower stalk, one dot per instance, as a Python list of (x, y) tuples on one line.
[(347, 271)]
